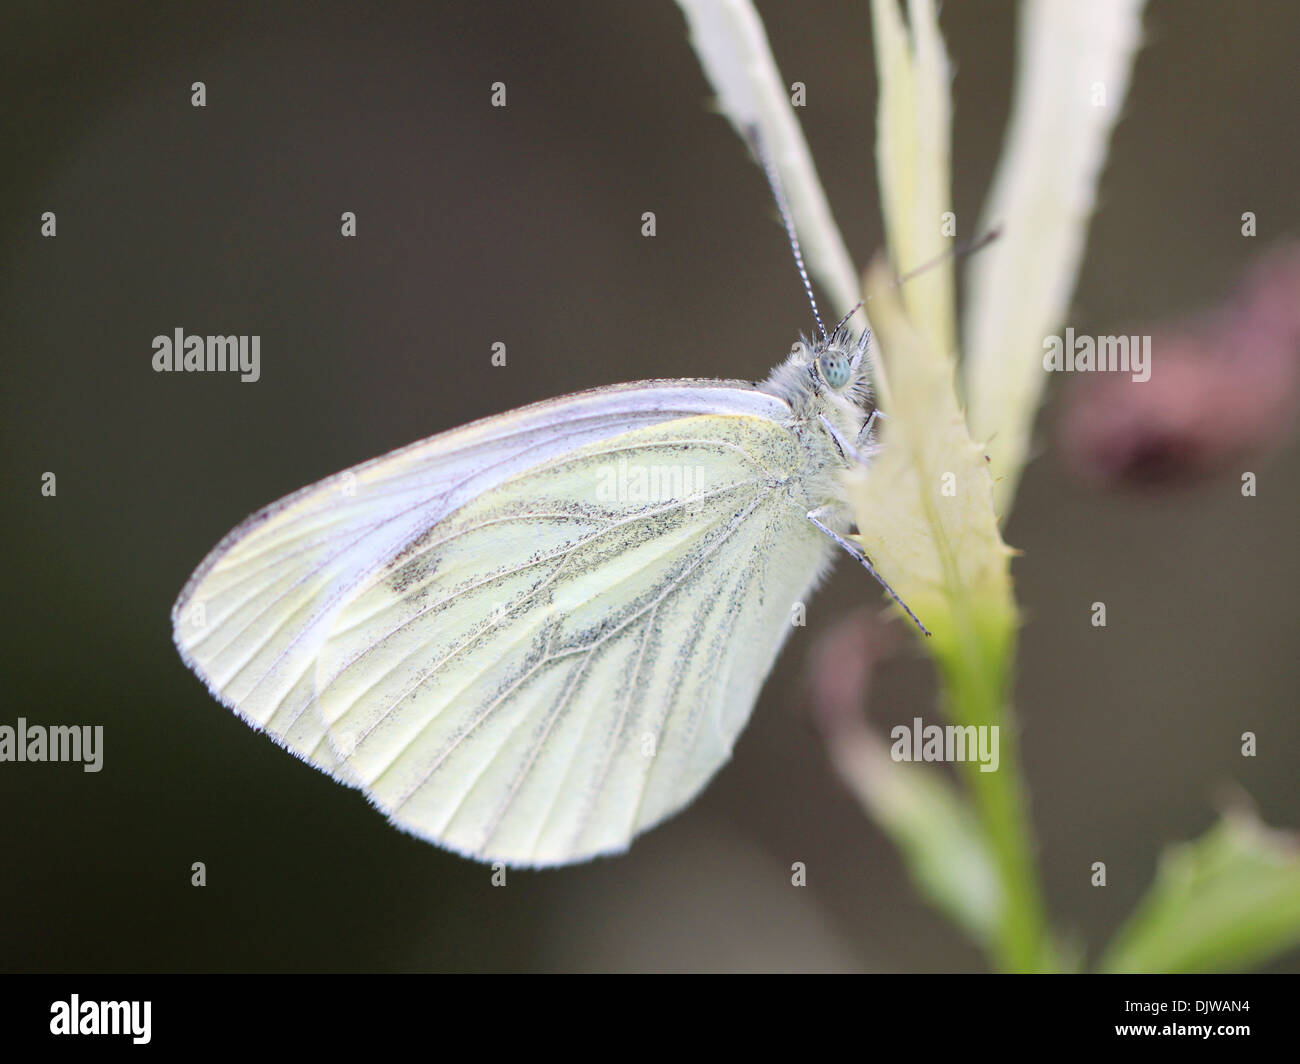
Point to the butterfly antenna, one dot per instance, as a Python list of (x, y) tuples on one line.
[(778, 193), (968, 248), (847, 316)]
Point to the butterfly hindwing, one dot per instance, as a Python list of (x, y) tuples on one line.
[(568, 658), (485, 629)]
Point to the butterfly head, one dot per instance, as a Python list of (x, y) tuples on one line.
[(836, 363), (826, 376)]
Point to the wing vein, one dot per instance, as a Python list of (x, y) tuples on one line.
[(674, 586), (545, 659), (564, 555)]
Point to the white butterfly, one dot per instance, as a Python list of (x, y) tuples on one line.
[(532, 638), (514, 637)]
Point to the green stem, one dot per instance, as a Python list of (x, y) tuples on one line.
[(976, 672)]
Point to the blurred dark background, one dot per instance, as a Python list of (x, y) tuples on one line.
[(522, 225)]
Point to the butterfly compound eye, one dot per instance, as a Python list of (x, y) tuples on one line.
[(835, 369)]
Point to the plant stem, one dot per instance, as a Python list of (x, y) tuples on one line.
[(976, 671)]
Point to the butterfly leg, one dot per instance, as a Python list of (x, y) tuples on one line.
[(864, 433), (847, 451), (860, 555)]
